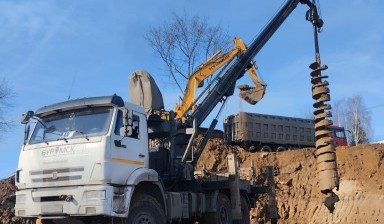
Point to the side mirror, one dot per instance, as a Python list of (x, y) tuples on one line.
[(26, 117)]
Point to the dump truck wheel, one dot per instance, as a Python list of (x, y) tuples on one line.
[(266, 148), (245, 212), (223, 214), (145, 210), (281, 148), (252, 148)]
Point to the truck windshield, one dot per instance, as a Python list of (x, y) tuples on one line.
[(80, 123), (339, 133)]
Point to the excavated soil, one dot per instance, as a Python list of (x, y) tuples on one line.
[(361, 190), (7, 203), (298, 198)]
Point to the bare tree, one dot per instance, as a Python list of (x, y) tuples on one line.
[(338, 113), (359, 119), (184, 43), (354, 117), (6, 94), (340, 118)]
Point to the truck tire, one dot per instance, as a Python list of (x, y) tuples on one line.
[(281, 148), (245, 212), (223, 214), (252, 148), (145, 210), (266, 148)]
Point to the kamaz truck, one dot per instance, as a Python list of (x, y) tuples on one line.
[(105, 160)]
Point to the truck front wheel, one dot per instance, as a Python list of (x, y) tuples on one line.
[(245, 212), (145, 210), (223, 214)]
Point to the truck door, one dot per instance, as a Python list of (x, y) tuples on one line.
[(131, 152)]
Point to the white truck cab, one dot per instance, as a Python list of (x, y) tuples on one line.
[(80, 158)]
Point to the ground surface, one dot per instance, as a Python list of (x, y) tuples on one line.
[(361, 190)]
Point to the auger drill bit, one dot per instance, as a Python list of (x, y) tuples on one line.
[(325, 147)]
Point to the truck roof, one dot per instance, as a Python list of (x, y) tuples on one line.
[(113, 100)]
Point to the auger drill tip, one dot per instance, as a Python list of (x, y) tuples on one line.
[(330, 200)]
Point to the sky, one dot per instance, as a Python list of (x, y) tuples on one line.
[(53, 50)]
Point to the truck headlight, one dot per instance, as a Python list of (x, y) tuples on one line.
[(95, 195)]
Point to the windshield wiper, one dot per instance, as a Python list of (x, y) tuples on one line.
[(69, 134), (82, 133), (63, 138)]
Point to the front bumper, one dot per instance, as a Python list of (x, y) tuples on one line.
[(89, 200)]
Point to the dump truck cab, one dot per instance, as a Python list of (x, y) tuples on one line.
[(338, 135)]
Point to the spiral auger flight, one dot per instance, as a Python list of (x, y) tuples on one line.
[(325, 147)]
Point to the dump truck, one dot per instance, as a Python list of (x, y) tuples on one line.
[(106, 160), (266, 132)]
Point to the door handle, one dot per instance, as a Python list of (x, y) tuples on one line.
[(141, 155)]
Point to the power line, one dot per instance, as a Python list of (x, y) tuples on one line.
[(376, 106)]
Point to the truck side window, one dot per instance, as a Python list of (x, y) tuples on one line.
[(119, 122), (135, 125)]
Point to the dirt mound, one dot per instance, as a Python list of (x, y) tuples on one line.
[(7, 203), (299, 200)]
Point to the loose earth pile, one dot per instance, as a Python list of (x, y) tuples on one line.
[(299, 200)]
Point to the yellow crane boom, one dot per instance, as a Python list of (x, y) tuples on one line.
[(250, 94)]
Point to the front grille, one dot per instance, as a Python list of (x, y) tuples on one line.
[(53, 175), (50, 179)]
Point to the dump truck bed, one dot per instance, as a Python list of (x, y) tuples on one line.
[(268, 129)]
